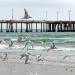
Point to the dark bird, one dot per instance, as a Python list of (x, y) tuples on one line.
[(25, 55), (26, 15), (65, 57)]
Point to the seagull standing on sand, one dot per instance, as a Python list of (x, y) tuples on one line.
[(5, 57)]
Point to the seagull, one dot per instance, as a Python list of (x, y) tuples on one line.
[(25, 55), (26, 15), (65, 57), (5, 56)]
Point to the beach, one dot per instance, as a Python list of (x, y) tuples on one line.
[(40, 60), (37, 37), (54, 62), (10, 68)]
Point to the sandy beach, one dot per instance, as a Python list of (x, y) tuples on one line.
[(58, 61), (11, 68), (52, 63)]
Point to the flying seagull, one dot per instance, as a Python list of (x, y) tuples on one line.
[(25, 55), (26, 15)]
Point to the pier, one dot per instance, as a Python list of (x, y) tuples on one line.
[(45, 26)]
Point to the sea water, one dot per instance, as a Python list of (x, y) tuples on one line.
[(64, 41), (58, 38)]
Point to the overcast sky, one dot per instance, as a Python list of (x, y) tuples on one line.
[(38, 8)]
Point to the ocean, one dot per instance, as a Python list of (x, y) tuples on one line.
[(59, 38), (39, 43)]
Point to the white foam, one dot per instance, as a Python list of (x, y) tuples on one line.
[(13, 39), (2, 46), (38, 48)]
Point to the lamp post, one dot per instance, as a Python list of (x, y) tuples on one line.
[(12, 13), (46, 15), (57, 15), (69, 15)]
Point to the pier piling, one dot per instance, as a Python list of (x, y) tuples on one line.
[(46, 26)]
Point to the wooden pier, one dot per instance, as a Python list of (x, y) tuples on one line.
[(45, 26)]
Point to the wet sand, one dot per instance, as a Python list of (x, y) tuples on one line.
[(15, 66), (11, 68), (55, 63)]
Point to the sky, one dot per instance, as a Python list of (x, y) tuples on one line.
[(38, 9)]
